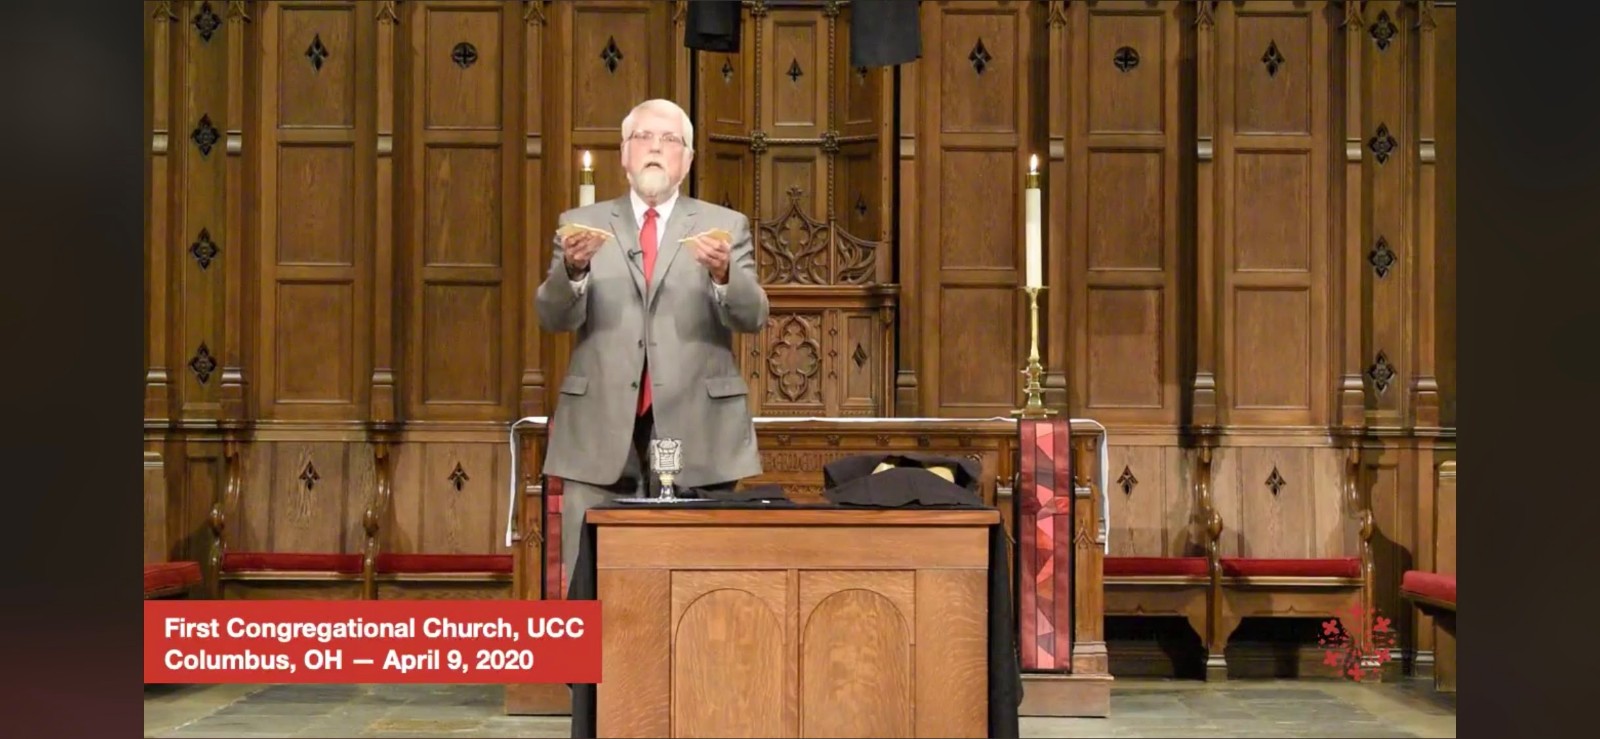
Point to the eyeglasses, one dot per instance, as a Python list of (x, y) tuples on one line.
[(667, 139)]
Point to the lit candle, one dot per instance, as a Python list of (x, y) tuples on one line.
[(586, 181), (1032, 233)]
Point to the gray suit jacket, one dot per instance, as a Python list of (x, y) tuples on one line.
[(697, 391)]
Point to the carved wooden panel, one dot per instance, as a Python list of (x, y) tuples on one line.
[(301, 496), (161, 34), (863, 112), (313, 256), (1119, 81), (733, 628), (725, 165), (794, 361), (536, 87), (794, 76), (871, 674), (1283, 500), (203, 130), (1388, 176), (1273, 146), (460, 240), (641, 626), (449, 497), (975, 378), (822, 362), (1152, 500), (975, 132), (793, 137), (1275, 502), (794, 248), (1444, 213)]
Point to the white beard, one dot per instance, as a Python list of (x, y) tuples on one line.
[(651, 183)]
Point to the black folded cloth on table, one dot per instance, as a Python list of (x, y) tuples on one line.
[(901, 480), (767, 494)]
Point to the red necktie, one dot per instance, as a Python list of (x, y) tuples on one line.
[(647, 243)]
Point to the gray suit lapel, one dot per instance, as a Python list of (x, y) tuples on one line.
[(627, 232), (678, 225)]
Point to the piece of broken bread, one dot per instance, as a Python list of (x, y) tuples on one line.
[(576, 228), (715, 233)]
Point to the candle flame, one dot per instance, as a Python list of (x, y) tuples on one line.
[(1033, 164), (587, 162)]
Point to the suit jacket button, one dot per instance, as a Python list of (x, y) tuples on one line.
[(641, 343), (634, 384)]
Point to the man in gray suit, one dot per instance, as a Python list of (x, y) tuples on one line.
[(654, 305)]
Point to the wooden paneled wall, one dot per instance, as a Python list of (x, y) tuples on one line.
[(1249, 244), (790, 134), (350, 206)]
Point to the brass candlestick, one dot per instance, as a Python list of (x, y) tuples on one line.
[(1034, 407)]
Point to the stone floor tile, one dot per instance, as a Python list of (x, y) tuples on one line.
[(1140, 708)]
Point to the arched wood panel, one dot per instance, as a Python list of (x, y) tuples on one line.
[(857, 635), (732, 629)]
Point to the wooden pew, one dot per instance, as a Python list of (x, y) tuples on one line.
[(1215, 593), (162, 578), (1182, 586), (258, 575), (1254, 587), (1434, 592), (399, 576), (375, 573)]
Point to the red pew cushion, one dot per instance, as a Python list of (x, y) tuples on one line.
[(1155, 566), (1248, 567), (165, 575), (422, 563), (349, 564), (1429, 585)]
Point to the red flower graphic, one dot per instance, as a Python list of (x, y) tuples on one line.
[(1357, 655)]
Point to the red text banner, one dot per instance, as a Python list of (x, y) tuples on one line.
[(412, 641)]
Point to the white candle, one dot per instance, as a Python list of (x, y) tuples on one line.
[(1033, 238), (586, 181)]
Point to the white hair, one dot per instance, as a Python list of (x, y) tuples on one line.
[(664, 107)]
